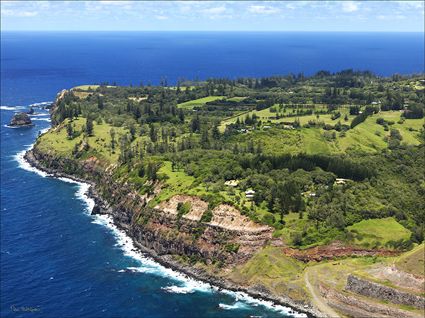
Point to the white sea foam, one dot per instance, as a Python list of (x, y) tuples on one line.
[(11, 127), (178, 290), (19, 157), (236, 305), (39, 114), (12, 107), (41, 104), (42, 119)]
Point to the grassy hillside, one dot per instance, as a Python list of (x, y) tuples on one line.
[(374, 232), (413, 261), (199, 102), (275, 271)]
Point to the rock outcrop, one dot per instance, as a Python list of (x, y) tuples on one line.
[(371, 289), (352, 306), (334, 250), (20, 119)]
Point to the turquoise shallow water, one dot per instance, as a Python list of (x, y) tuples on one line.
[(62, 262)]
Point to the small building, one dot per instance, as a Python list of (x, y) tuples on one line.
[(267, 127), (249, 194), (341, 181), (231, 183), (309, 194)]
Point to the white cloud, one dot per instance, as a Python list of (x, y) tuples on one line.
[(260, 9), (161, 17), (18, 13), (215, 10), (411, 4), (350, 6), (116, 3)]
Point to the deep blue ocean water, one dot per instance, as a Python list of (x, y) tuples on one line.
[(57, 258)]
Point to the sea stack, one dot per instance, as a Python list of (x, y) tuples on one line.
[(20, 119)]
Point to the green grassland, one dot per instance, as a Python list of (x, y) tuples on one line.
[(56, 140), (413, 261), (273, 270), (366, 137), (176, 182), (370, 232), (199, 102)]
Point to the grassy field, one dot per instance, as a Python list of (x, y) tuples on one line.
[(177, 182), (272, 269), (56, 140), (413, 261), (89, 87), (372, 231), (199, 102), (367, 137)]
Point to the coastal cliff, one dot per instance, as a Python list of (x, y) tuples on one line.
[(228, 239)]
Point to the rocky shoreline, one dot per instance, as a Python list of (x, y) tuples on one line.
[(103, 207)]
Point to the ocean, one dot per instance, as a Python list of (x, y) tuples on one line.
[(59, 261)]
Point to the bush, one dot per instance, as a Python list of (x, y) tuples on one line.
[(231, 247), (268, 219), (183, 208), (207, 216)]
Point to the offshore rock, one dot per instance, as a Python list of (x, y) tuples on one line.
[(20, 119)]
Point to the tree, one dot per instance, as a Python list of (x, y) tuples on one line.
[(132, 129), (112, 133), (89, 126), (181, 115), (215, 132), (100, 103), (195, 124), (69, 131), (153, 133)]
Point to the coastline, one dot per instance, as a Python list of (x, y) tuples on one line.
[(101, 207)]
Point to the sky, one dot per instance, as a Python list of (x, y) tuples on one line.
[(352, 16)]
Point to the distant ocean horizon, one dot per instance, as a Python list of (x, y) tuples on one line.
[(58, 259), (36, 65)]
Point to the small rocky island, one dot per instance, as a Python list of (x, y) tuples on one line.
[(20, 119)]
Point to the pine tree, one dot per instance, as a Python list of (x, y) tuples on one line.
[(69, 131), (89, 126)]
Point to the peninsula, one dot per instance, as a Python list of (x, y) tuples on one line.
[(304, 190)]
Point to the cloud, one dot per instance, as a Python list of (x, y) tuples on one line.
[(260, 9), (350, 6), (161, 17), (215, 10), (116, 3), (18, 13), (411, 4)]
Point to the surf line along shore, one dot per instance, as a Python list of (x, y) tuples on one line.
[(99, 206)]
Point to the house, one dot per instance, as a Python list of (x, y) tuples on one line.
[(249, 194), (309, 194), (341, 181), (232, 183)]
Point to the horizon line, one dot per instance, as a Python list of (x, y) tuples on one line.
[(224, 31)]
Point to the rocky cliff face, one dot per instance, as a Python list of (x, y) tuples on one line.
[(20, 119), (227, 238), (371, 289)]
